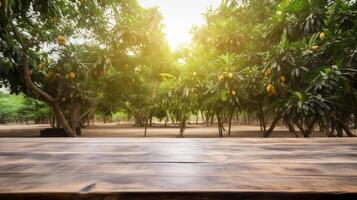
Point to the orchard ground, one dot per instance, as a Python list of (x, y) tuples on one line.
[(157, 130)]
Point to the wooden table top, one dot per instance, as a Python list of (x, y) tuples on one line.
[(218, 165)]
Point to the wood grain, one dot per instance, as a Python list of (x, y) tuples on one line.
[(124, 168)]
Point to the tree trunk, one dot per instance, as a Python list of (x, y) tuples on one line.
[(146, 127), (333, 126), (212, 118), (272, 126), (291, 128), (262, 119), (61, 118), (347, 131), (203, 117), (321, 127), (245, 118), (339, 131), (301, 128), (230, 122), (76, 119), (260, 124), (166, 119), (30, 85), (53, 118), (173, 120), (207, 119), (182, 127), (88, 120), (311, 126), (54, 104), (220, 129), (229, 126), (326, 128), (344, 127), (308, 127)]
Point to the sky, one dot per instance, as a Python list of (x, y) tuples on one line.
[(179, 16)]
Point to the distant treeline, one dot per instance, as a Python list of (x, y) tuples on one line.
[(18, 109)]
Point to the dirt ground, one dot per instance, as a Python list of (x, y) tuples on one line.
[(127, 130)]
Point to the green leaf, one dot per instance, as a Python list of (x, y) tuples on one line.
[(223, 95), (346, 86)]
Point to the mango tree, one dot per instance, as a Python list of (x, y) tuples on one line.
[(314, 52), (31, 28)]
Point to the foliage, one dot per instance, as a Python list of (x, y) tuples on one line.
[(21, 109)]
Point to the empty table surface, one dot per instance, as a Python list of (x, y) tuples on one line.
[(125, 168)]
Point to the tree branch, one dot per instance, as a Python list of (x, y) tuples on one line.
[(25, 61)]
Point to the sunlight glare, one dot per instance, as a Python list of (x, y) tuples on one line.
[(179, 16)]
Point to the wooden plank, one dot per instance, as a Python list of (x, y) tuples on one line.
[(182, 169), (259, 141), (123, 152), (38, 183), (182, 158), (121, 166)]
